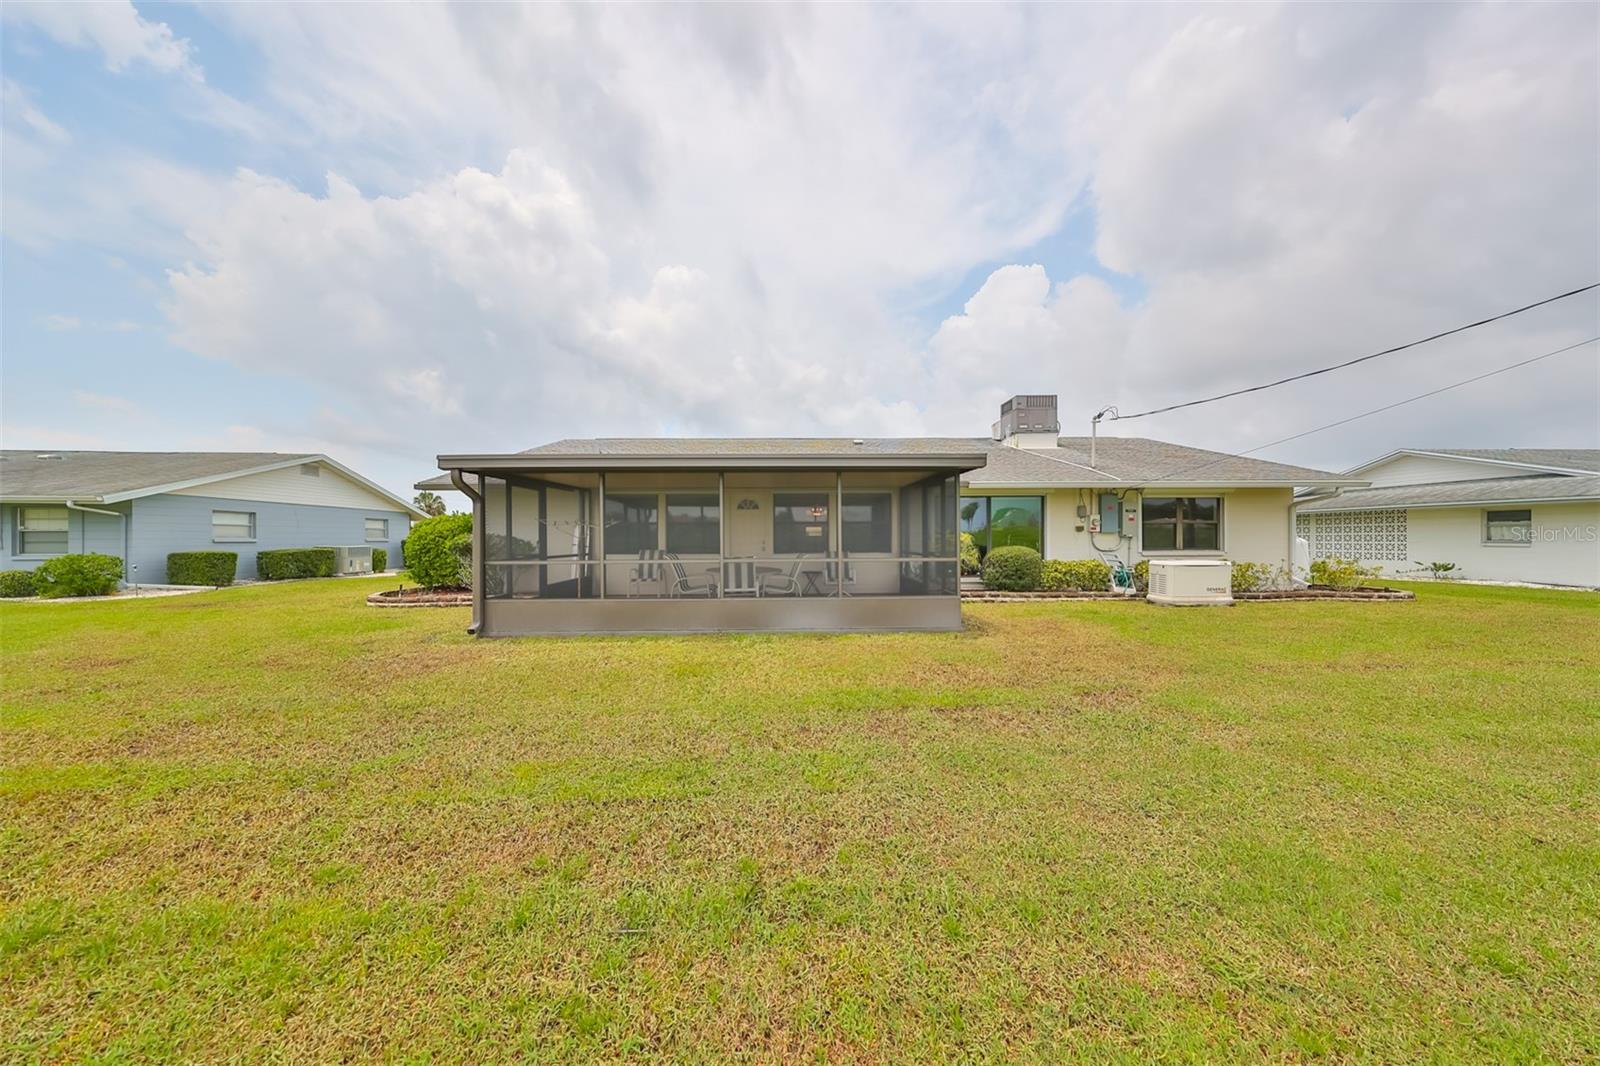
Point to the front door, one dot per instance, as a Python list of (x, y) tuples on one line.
[(750, 525)]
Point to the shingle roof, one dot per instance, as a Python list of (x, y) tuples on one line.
[(1126, 461), (1565, 458), (47, 474), (1448, 493)]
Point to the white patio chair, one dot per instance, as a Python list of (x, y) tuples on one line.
[(646, 572), (830, 577), (739, 578), (784, 583), (680, 583)]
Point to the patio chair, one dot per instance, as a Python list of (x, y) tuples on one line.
[(739, 578), (646, 572), (680, 583), (785, 583), (830, 576)]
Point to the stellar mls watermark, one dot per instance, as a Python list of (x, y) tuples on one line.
[(1542, 534)]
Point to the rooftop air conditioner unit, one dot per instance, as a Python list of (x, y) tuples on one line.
[(1191, 582), (352, 560)]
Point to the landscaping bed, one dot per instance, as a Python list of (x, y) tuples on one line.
[(421, 597), (1312, 593)]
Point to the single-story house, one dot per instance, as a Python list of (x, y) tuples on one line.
[(139, 506), (667, 535), (1499, 514)]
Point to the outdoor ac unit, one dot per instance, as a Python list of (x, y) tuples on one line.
[(352, 560), (1191, 582)]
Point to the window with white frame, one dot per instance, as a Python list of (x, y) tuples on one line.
[(378, 529), (1508, 527), (233, 525), (41, 530)]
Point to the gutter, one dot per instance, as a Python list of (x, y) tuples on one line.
[(477, 548), (115, 514)]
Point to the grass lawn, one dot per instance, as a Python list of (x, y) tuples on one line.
[(273, 822)]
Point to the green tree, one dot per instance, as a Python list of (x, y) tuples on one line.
[(429, 503)]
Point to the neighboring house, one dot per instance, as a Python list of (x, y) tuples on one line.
[(836, 533), (140, 506), (1500, 514)]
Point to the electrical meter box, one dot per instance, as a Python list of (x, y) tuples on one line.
[(1130, 521), (1110, 513)]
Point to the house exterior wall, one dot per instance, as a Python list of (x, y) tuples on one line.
[(328, 488), (1426, 469), (1565, 549), (86, 532), (1255, 524), (178, 522)]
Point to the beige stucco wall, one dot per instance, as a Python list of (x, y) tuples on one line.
[(1565, 549), (1255, 525)]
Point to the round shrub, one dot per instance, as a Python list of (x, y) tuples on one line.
[(90, 574), (15, 584), (1013, 568), (380, 559), (1084, 575), (202, 568), (438, 551), (1141, 575)]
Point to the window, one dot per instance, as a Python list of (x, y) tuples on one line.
[(630, 524), (997, 521), (1508, 527), (41, 531), (694, 523), (378, 529), (1182, 523), (800, 523), (233, 525), (867, 522)]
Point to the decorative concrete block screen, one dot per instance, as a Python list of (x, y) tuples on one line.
[(1373, 536)]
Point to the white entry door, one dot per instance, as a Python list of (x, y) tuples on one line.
[(750, 524)]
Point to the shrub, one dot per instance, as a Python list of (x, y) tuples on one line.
[(1337, 572), (1252, 577), (438, 551), (90, 574), (14, 584), (380, 559), (1085, 575), (1437, 571), (202, 568), (285, 563), (1013, 568), (1141, 575), (970, 563)]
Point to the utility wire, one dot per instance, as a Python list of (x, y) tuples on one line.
[(1375, 410), (1358, 359)]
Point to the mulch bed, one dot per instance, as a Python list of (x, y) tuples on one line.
[(421, 597)]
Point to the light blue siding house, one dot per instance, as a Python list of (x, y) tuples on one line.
[(139, 506)]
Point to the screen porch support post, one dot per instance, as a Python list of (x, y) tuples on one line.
[(600, 539), (476, 496), (838, 525), (722, 532)]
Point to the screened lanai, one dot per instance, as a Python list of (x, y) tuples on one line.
[(743, 537)]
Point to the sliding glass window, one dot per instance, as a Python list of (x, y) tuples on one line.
[(998, 521)]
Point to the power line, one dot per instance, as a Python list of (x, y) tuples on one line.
[(1375, 410), (1358, 359)]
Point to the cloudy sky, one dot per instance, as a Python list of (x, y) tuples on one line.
[(389, 232)]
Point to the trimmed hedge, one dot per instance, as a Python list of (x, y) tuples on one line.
[(285, 563), (1085, 575), (380, 559), (1012, 568), (438, 551), (15, 584), (89, 574), (202, 568)]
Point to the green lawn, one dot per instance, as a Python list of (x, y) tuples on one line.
[(271, 822)]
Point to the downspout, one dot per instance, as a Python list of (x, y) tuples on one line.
[(477, 549), (114, 514)]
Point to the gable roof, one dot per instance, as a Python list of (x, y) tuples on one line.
[(1553, 460), (45, 476), (1526, 489), (1119, 461)]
